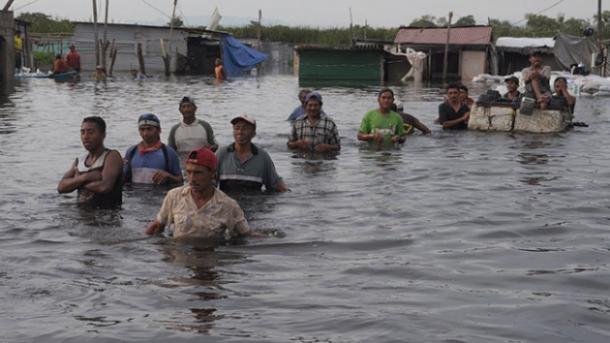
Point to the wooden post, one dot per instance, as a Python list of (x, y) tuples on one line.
[(259, 29), (351, 28), (105, 41), (599, 38), (446, 58), (95, 38), (113, 53), (141, 59), (8, 5), (167, 53)]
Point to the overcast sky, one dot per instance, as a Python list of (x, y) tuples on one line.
[(320, 13)]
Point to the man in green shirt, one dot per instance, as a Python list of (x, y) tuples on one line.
[(382, 126)]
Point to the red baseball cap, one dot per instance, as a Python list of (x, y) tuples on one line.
[(202, 157)]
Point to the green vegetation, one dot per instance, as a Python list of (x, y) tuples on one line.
[(308, 35), (43, 23), (533, 25), (43, 59)]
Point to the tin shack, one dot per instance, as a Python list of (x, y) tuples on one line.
[(469, 49)]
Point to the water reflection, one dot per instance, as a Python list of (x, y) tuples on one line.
[(529, 158), (204, 284)]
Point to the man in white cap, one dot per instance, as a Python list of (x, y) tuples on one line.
[(244, 166)]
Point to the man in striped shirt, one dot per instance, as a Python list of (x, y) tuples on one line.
[(243, 165), (314, 131)]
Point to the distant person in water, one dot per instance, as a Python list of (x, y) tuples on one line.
[(464, 97), (199, 209), (512, 86), (299, 111), (314, 131), (191, 132), (409, 119), (453, 114), (97, 175), (73, 59), (219, 70), (60, 66), (136, 75), (561, 90), (382, 125), (100, 73), (536, 78), (151, 161), (243, 165)]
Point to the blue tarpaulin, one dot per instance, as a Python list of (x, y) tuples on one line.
[(238, 58)]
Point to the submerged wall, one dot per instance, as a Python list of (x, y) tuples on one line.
[(7, 50)]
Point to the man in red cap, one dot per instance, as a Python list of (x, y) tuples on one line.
[(199, 210)]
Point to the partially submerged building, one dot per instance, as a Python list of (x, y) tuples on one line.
[(8, 61), (7, 51), (191, 51), (514, 52), (357, 64), (470, 49), (368, 62)]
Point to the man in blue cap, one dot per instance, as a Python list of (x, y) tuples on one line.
[(314, 131), (151, 161)]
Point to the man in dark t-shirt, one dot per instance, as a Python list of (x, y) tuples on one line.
[(453, 114)]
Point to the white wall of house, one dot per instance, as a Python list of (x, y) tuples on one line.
[(473, 64), (126, 39)]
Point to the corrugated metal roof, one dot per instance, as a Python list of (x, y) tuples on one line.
[(186, 29), (467, 35), (525, 42)]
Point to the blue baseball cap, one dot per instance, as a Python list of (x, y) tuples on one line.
[(149, 119), (314, 96)]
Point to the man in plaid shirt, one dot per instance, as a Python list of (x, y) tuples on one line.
[(314, 131)]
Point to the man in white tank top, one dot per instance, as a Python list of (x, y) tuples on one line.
[(97, 174)]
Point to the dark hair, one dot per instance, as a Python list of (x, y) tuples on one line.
[(394, 107), (463, 87), (189, 100), (58, 56), (98, 121), (537, 53), (452, 86), (559, 78), (385, 90), (304, 91)]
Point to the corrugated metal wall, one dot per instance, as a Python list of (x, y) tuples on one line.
[(126, 39), (329, 64)]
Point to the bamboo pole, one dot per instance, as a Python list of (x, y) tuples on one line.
[(105, 41), (446, 57)]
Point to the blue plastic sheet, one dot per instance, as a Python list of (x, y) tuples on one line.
[(238, 58)]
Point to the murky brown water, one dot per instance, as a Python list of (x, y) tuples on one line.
[(456, 237)]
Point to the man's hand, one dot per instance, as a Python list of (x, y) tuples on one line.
[(377, 137), (301, 145), (161, 177), (154, 228), (91, 176)]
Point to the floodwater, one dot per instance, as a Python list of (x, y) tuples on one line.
[(455, 237)]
